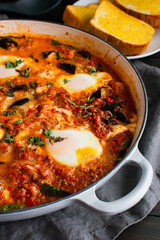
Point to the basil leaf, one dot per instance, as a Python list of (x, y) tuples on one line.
[(54, 191)]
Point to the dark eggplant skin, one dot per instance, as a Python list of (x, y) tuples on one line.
[(85, 54), (69, 68), (20, 102), (17, 88), (7, 42)]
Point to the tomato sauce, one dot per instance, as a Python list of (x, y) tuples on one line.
[(32, 101)]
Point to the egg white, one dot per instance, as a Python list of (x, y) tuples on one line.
[(82, 81), (11, 72), (77, 147)]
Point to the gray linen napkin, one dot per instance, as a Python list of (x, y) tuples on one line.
[(79, 223)]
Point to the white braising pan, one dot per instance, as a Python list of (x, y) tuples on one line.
[(130, 76)]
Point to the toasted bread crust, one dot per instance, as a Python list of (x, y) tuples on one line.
[(153, 20), (126, 48), (70, 19)]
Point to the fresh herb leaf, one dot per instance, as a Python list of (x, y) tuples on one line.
[(54, 191), (18, 121), (52, 139), (81, 106), (49, 84), (93, 69), (13, 64), (87, 115), (35, 141), (66, 81), (89, 101), (119, 158), (8, 138), (9, 64), (25, 73), (55, 42), (71, 102), (1, 125), (1, 87), (10, 207), (8, 113), (9, 83), (10, 94), (33, 84)]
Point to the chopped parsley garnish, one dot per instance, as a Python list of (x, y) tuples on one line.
[(10, 94), (53, 191), (66, 81), (93, 69), (18, 121), (35, 141), (25, 72), (90, 100), (33, 84), (55, 42), (52, 139), (13, 64), (81, 106), (1, 87), (8, 138), (49, 84), (9, 83)]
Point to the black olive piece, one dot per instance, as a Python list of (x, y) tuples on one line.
[(6, 43), (19, 88), (85, 54), (70, 68), (20, 102)]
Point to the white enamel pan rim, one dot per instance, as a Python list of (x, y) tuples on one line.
[(73, 196)]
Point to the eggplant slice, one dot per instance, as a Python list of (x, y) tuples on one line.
[(7, 42)]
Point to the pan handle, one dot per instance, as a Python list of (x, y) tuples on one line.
[(89, 198)]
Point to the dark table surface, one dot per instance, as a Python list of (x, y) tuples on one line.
[(149, 228)]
